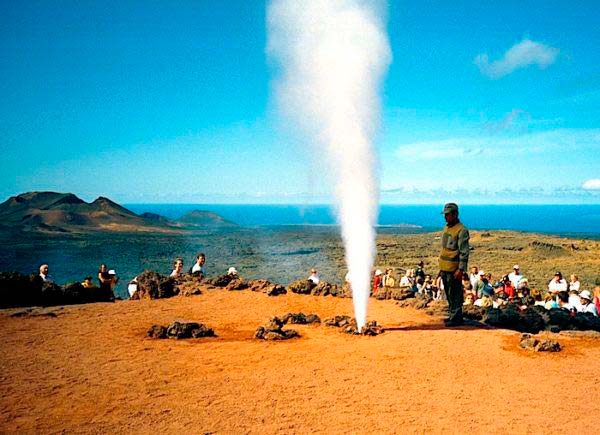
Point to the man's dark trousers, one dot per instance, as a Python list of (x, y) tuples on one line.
[(454, 294)]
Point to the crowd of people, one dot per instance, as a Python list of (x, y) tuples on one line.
[(480, 289)]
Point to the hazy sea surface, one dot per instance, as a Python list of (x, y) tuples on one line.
[(578, 220)]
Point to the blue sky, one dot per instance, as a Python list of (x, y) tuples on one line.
[(171, 102)]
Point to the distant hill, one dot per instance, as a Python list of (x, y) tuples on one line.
[(65, 212), (201, 218)]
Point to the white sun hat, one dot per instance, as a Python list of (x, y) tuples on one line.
[(232, 271), (585, 294), (378, 272)]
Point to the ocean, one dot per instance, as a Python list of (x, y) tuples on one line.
[(563, 220)]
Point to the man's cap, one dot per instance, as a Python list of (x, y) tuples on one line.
[(585, 294), (481, 273), (558, 274), (449, 208), (516, 266), (112, 272), (378, 272)]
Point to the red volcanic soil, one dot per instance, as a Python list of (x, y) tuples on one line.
[(92, 369)]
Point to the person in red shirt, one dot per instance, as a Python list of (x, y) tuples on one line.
[(377, 282), (510, 291)]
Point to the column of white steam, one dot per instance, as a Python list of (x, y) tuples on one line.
[(333, 55)]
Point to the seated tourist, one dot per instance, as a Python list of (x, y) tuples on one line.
[(557, 284), (420, 285), (314, 276), (563, 301), (466, 283), (87, 282), (537, 296), (420, 272), (469, 299), (388, 279), (44, 273), (232, 271), (474, 276), (515, 276), (501, 299), (407, 280), (586, 303), (198, 267), (574, 283), (177, 268), (550, 301), (597, 298), (509, 289), (574, 300), (132, 286)]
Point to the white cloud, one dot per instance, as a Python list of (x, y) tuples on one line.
[(559, 140), (592, 184), (520, 55)]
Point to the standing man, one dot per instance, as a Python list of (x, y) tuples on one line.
[(454, 258)]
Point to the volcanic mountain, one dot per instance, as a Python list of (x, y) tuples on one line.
[(65, 212)]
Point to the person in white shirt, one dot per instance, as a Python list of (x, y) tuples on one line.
[(177, 268), (587, 306), (557, 284), (515, 276), (407, 280), (44, 273), (474, 276), (574, 284), (314, 276), (198, 266), (574, 300)]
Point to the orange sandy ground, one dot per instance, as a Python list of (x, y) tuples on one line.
[(92, 369)]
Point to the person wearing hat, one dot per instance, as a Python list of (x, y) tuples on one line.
[(314, 276), (377, 281), (515, 276), (232, 271), (587, 306), (557, 284), (454, 258)]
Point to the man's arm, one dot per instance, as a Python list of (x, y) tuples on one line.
[(463, 249)]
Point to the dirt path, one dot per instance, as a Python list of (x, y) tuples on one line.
[(92, 369)]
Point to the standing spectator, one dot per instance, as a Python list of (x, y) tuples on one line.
[(177, 268), (586, 303), (388, 280), (574, 284), (597, 298), (377, 282), (474, 277), (515, 276), (454, 257), (105, 279), (420, 272), (198, 267), (44, 273), (314, 276)]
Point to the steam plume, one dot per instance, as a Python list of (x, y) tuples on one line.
[(333, 55)]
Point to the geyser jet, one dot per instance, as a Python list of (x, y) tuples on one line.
[(333, 55)]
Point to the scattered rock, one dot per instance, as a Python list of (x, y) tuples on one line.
[(221, 280), (273, 330), (188, 285), (349, 326), (157, 331), (153, 285), (237, 284), (544, 345), (181, 330), (300, 318), (581, 334), (264, 286)]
